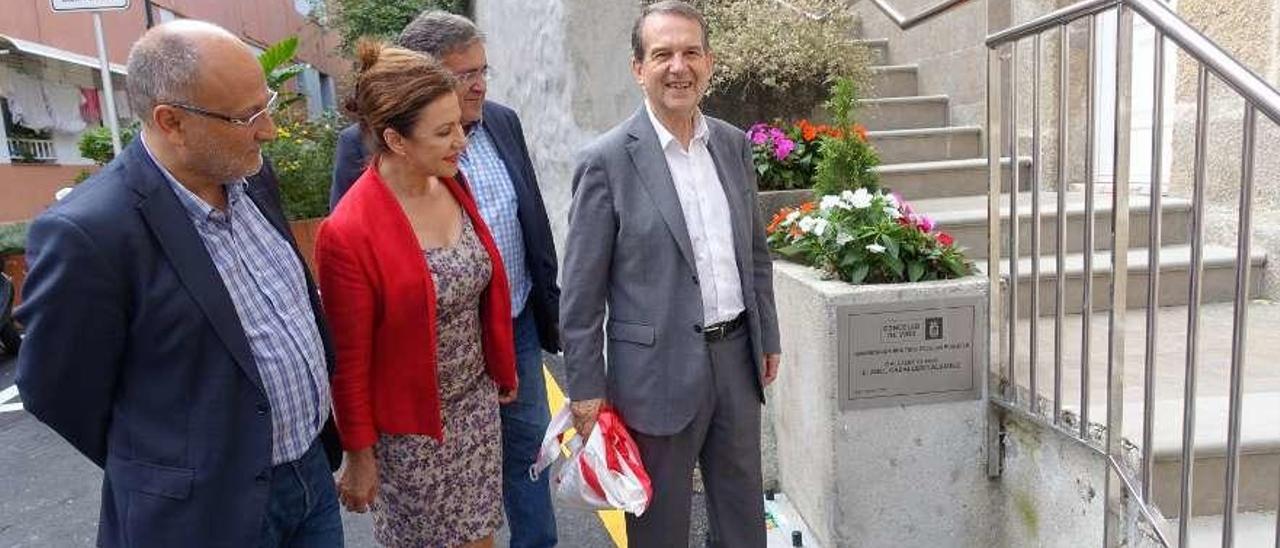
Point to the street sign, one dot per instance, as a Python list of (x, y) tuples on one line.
[(89, 5)]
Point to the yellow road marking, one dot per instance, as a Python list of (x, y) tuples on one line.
[(613, 521)]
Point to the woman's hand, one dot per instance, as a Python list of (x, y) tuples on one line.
[(358, 484), (507, 395)]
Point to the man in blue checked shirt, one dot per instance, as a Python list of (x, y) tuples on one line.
[(174, 335), (497, 167)]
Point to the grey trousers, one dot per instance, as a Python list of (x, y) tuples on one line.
[(724, 438)]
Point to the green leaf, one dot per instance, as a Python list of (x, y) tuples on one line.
[(915, 270), (281, 76), (890, 245), (278, 54), (859, 273), (895, 264)]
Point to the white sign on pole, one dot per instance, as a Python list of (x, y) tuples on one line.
[(89, 5)]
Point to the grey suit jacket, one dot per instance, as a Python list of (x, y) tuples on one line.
[(629, 272)]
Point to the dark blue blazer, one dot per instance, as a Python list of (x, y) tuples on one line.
[(135, 354), (540, 248)]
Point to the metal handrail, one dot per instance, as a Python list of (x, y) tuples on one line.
[(1249, 85), (905, 23), (1260, 98)]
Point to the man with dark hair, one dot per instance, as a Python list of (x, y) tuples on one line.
[(666, 253), (499, 172), (174, 335)]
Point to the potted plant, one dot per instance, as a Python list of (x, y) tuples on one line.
[(793, 161)]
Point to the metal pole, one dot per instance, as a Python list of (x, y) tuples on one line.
[(1240, 329), (1060, 285), (1155, 230), (107, 89), (1034, 344), (1014, 242), (1193, 312), (1119, 273), (995, 351), (1086, 312)]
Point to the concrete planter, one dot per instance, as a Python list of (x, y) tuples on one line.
[(901, 475)]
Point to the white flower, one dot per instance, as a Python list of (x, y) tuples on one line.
[(860, 199), (791, 218), (875, 248), (820, 226), (891, 200), (806, 224), (62, 193), (892, 212), (829, 202), (844, 238)]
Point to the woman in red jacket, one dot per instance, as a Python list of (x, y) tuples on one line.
[(414, 291)]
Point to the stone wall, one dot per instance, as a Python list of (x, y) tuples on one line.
[(1250, 31), (564, 67)]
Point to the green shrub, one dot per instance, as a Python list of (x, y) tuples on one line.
[(303, 158), (382, 19), (13, 238), (773, 62), (95, 143), (846, 160)]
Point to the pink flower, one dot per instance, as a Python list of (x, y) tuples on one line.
[(923, 222), (783, 147), (758, 134)]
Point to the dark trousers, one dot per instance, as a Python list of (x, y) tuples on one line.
[(527, 502), (302, 511), (724, 439)]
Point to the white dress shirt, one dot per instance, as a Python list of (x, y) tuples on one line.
[(706, 215)]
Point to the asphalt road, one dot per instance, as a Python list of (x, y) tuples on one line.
[(49, 493)]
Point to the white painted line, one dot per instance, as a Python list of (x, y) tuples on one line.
[(6, 395)]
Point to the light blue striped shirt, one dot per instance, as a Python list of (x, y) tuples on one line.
[(267, 285), (499, 207)]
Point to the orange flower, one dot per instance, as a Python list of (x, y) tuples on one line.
[(807, 130), (861, 130), (778, 217), (807, 207)]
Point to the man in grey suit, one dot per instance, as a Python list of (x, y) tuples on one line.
[(665, 240)]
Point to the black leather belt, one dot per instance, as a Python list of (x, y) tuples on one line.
[(720, 331)]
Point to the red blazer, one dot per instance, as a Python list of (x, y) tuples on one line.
[(381, 305)]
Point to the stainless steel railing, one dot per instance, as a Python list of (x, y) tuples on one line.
[(906, 22), (1002, 124)]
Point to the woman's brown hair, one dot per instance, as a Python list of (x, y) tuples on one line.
[(392, 85)]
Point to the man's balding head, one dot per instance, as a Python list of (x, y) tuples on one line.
[(166, 64)]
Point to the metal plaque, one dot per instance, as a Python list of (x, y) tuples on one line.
[(911, 352), (89, 5)]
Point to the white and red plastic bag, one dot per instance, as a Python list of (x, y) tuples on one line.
[(604, 473)]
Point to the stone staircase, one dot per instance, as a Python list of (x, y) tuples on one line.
[(941, 169)]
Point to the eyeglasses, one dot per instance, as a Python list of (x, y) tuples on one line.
[(470, 77), (238, 122)]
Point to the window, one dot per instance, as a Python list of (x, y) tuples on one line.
[(327, 92)]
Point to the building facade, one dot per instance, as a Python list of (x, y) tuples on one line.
[(51, 89)]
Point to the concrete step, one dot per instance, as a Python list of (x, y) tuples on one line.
[(948, 178), (879, 49), (1252, 529), (965, 218), (927, 145), (894, 81), (1259, 445), (1218, 280), (920, 111)]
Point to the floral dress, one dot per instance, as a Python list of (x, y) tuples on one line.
[(444, 494)]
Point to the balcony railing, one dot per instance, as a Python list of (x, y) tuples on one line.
[(32, 150)]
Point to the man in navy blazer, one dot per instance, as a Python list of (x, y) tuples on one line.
[(499, 173), (174, 336)]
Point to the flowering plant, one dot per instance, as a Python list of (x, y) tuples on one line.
[(865, 237), (786, 155)]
